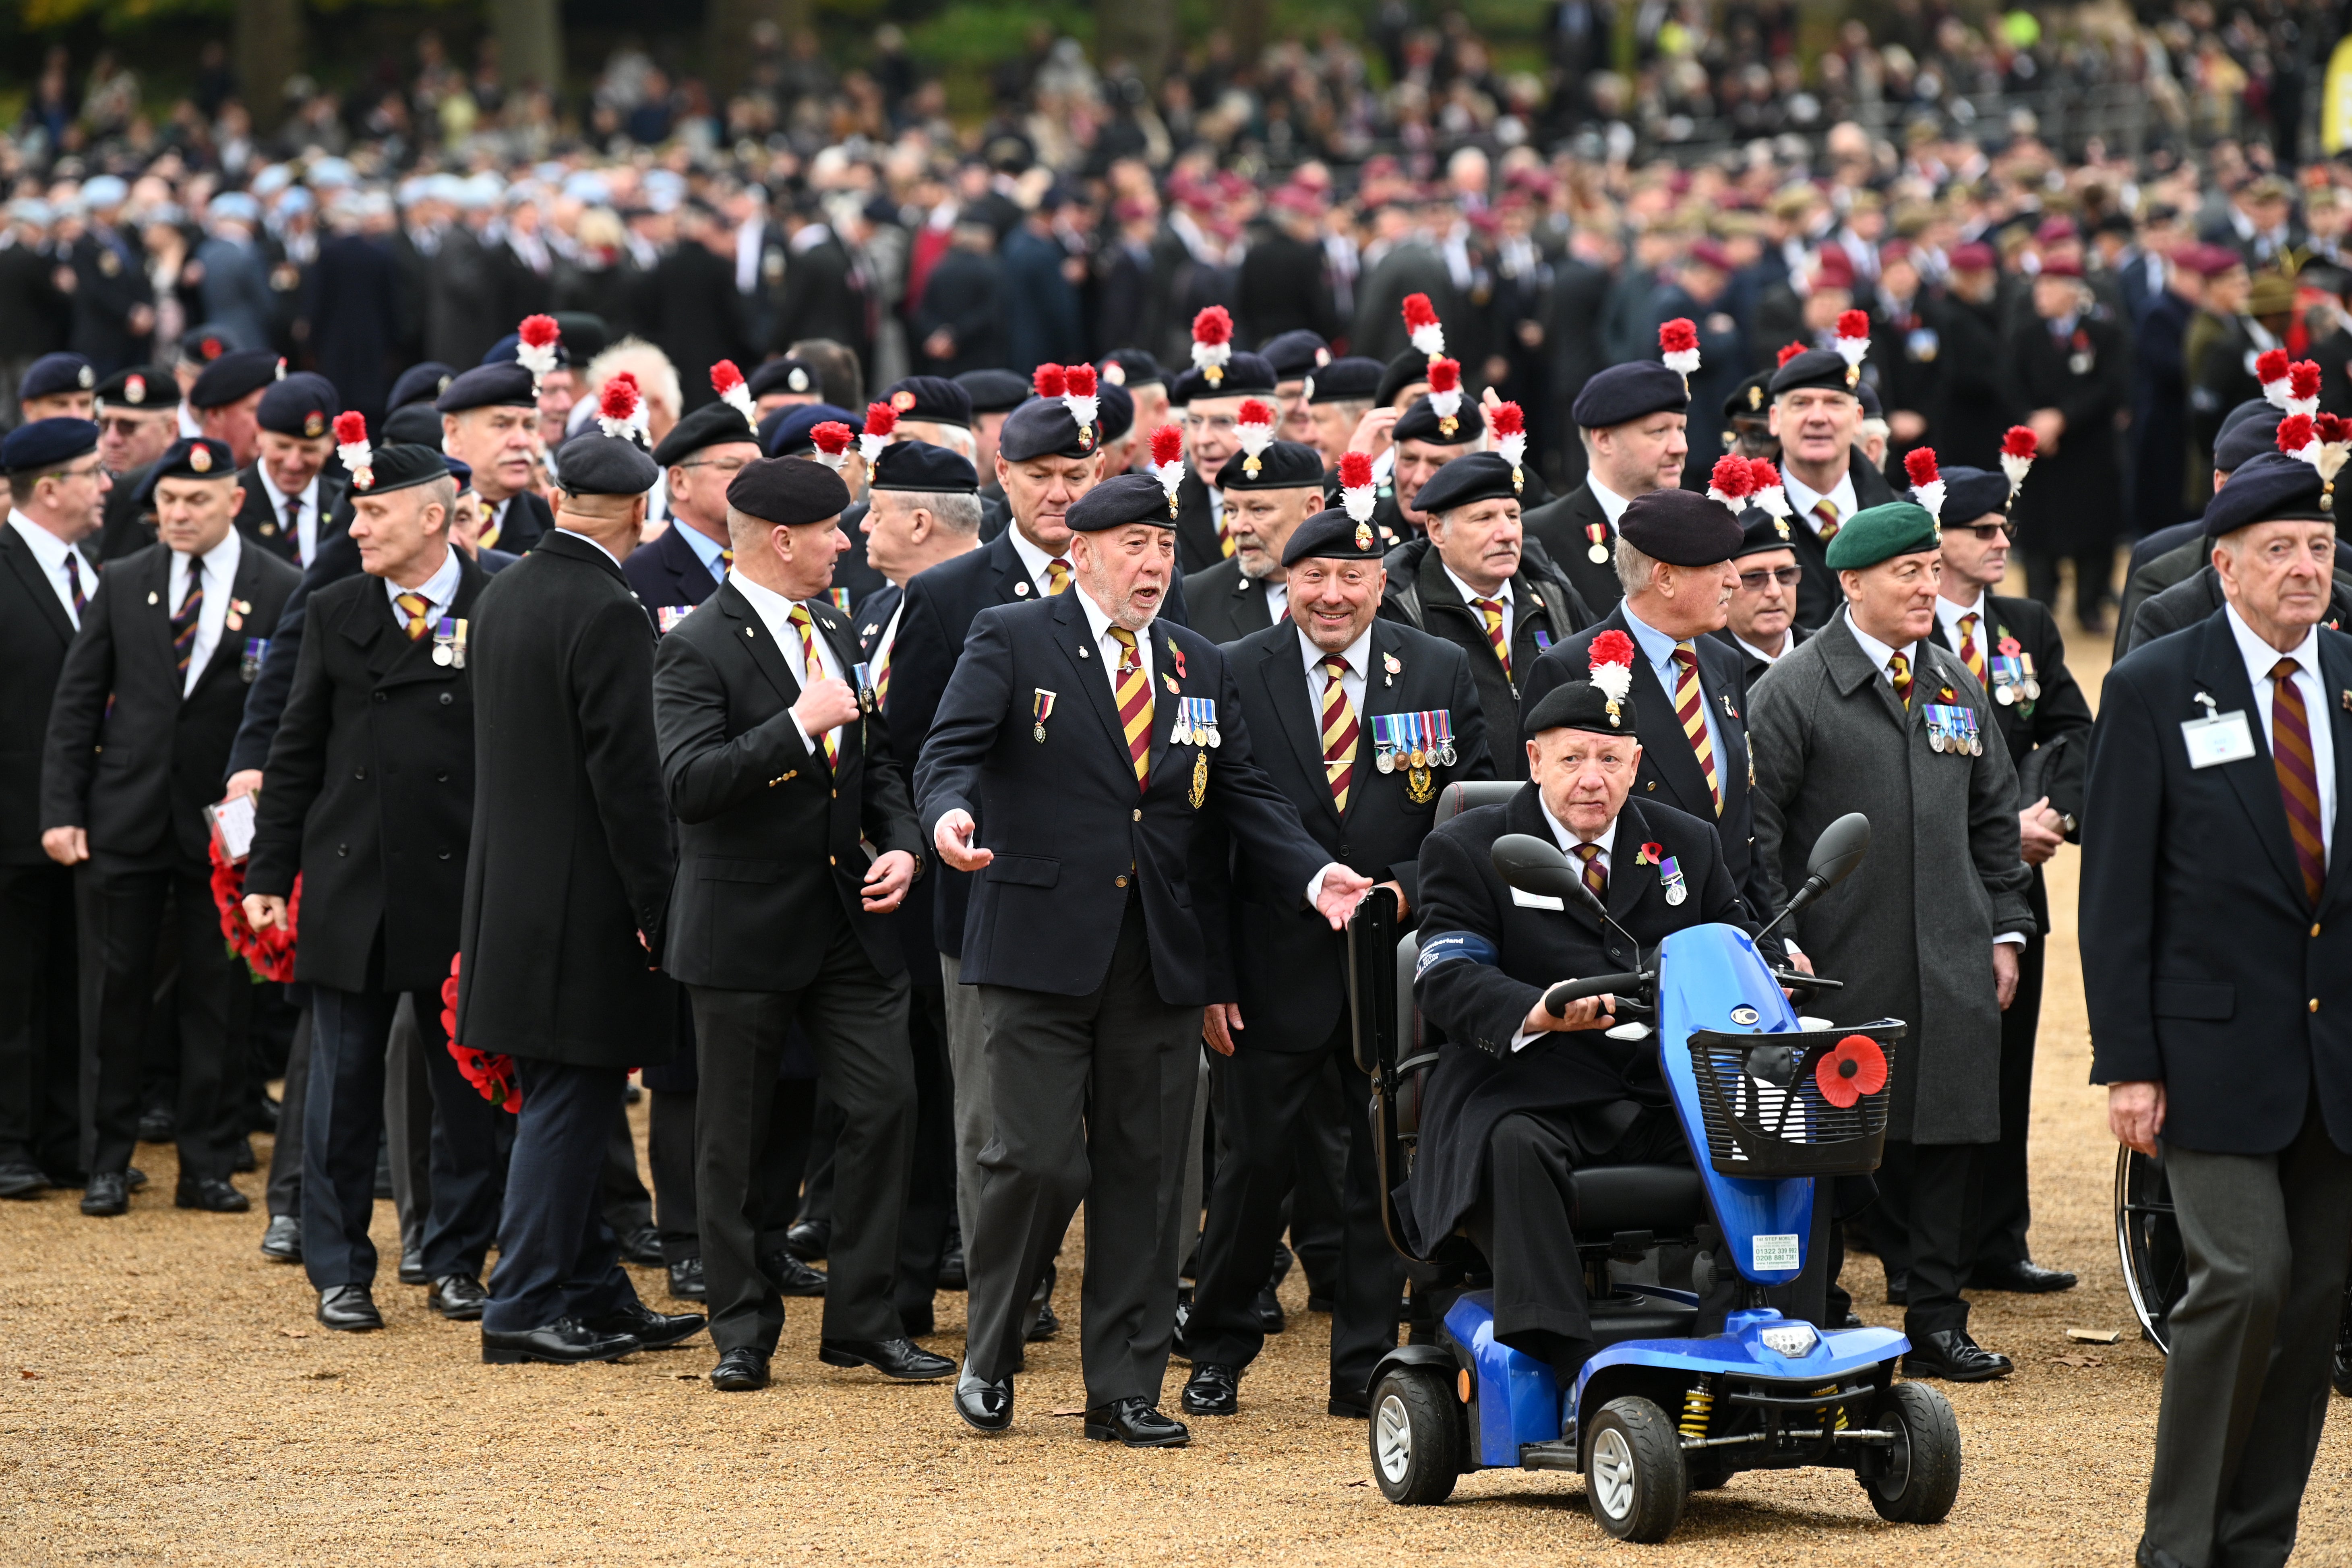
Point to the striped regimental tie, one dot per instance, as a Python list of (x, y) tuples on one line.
[(185, 619), (1339, 730), (1972, 650), (411, 607), (2298, 776), (1690, 707), (1596, 875), (1057, 576), (1133, 689), (1826, 509), (814, 667), (1898, 671), (1491, 612)]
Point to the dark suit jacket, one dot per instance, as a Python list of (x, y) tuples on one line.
[(529, 518), (34, 632), (129, 758), (1280, 287), (1068, 825), (1291, 965), (263, 526), (690, 307), (2205, 966), (568, 883), (127, 525), (1561, 528), (2059, 712), (1227, 607), (756, 806), (1818, 595), (369, 791), (1751, 669), (821, 299), (1197, 549), (668, 574)]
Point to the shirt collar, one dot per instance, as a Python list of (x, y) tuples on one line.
[(1501, 595), (1802, 496), (706, 549), (1751, 649), (1612, 505), (1033, 558), (1948, 613), (278, 497), (1877, 652), (2260, 658), (441, 588), (586, 539), (1656, 645), (220, 561), (770, 607), (1359, 654), (47, 548), (1567, 840)]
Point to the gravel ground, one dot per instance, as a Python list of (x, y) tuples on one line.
[(165, 1396)]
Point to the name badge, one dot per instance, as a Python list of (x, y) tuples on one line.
[(2218, 738), (1527, 900)]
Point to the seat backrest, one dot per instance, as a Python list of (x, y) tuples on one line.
[(1456, 798)]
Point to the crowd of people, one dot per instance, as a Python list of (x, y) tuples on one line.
[(921, 643)]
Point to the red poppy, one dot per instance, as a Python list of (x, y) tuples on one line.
[(1855, 1068), (1651, 855), (2009, 648)]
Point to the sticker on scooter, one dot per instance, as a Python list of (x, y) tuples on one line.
[(1775, 1252)]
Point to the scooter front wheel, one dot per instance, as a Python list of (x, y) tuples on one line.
[(1922, 1478), (1418, 1436), (1634, 1474)]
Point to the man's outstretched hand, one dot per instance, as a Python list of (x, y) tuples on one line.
[(1341, 891), (952, 839)]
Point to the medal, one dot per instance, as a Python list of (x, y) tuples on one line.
[(1670, 877), (862, 678), (444, 643), (1384, 760), (1418, 787), (2004, 694), (1200, 779), (256, 650), (1598, 555), (1598, 533), (1676, 893), (1041, 704)]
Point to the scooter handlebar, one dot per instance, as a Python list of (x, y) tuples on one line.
[(1556, 999)]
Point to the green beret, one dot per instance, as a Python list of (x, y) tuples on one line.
[(1882, 532)]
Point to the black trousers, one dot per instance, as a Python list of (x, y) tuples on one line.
[(121, 919), (931, 1177), (344, 1120), (856, 1017), (557, 1257), (2004, 1212), (283, 1197), (1925, 1194), (1262, 1098), (669, 1148), (40, 1020), (1090, 1098)]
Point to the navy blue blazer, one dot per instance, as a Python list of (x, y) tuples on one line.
[(668, 574)]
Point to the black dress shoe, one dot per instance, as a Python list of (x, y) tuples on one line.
[(133, 1178), (1898, 1288), (1045, 1324), (240, 1157), (412, 1267), (741, 1371), (350, 1308), (2024, 1277), (267, 1114), (642, 1246), (106, 1196), (652, 1331), (211, 1194), (1267, 1310), (792, 1277), (686, 1282), (458, 1298), (810, 1239), (1950, 1354), (1851, 1319), (564, 1342), (986, 1407), (1318, 1304), (1214, 1391), (1134, 1422), (22, 1179), (282, 1242), (158, 1126), (902, 1359)]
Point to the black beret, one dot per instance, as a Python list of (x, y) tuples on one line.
[(400, 466), (1761, 531), (1625, 392), (46, 443), (933, 398), (1871, 407), (232, 376), (1817, 367), (1352, 380), (993, 391), (1399, 374), (921, 467), (1242, 376), (2269, 488), (207, 343), (304, 405), (1680, 527), (505, 385), (787, 430), (1131, 367), (1114, 409), (420, 383), (1581, 705), (596, 464), (796, 376), (1119, 500), (584, 334), (461, 471), (189, 458), (712, 425), (2248, 437), (140, 386), (790, 491), (1294, 354), (1042, 427), (1969, 494), (1421, 423), (1332, 535), (1472, 478), (417, 422), (51, 375), (1283, 466), (1750, 397)]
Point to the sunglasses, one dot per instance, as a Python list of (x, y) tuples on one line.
[(1786, 576), (1988, 533)]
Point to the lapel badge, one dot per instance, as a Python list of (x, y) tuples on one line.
[(1392, 664), (1174, 689), (1177, 654), (1021, 589), (152, 599)]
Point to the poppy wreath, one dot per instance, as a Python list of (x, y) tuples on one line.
[(268, 954), (491, 1073), (1854, 1067)]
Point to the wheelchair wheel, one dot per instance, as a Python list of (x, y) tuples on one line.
[(1922, 1480), (1418, 1436), (2155, 1270), (1634, 1474)]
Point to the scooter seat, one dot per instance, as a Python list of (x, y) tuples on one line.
[(1668, 1200)]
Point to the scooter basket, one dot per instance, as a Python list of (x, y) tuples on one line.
[(1767, 1114)]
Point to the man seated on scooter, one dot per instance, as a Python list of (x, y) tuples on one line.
[(1519, 1099)]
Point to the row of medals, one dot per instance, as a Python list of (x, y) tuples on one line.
[(1392, 758), (2029, 690)]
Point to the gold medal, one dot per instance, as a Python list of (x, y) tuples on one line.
[(1200, 778), (1418, 761), (1420, 785), (1598, 555)]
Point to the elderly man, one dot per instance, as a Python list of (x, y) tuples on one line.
[(1631, 418), (1877, 716), (1211, 412), (291, 508), (489, 422), (1265, 499), (1817, 418), (2215, 951), (1761, 622)]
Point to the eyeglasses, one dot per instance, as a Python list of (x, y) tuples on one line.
[(89, 472), (1985, 533), (1224, 423), (1786, 576), (724, 465)]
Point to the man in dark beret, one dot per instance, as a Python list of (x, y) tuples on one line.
[(1423, 445), (1211, 439), (419, 383), (1761, 622), (291, 506), (138, 417), (699, 458), (1405, 381), (490, 421), (1247, 592), (1817, 418), (773, 751), (994, 394), (2275, 483), (781, 383), (784, 432), (931, 408), (155, 685), (1091, 1040), (1631, 418), (227, 399), (1747, 421), (1296, 356), (1338, 396), (2174, 553), (57, 386)]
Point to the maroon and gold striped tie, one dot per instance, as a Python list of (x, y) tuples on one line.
[(1339, 730), (1690, 707), (1491, 612), (812, 670), (2298, 777), (1971, 651), (411, 607), (1898, 671), (1826, 509), (1596, 875), (1133, 689)]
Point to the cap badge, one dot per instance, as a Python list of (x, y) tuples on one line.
[(1363, 536), (135, 389), (1085, 438), (85, 378), (902, 400), (1781, 526), (201, 459), (1853, 375), (797, 380), (1755, 398), (314, 423)]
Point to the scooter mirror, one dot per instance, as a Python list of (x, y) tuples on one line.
[(1532, 865), (1838, 850)]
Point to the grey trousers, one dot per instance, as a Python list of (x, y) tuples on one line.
[(2245, 1389)]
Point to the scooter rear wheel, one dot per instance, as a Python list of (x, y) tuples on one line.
[(1922, 1480), (1634, 1479), (1419, 1439)]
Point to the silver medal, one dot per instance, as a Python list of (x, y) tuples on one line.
[(1446, 757), (442, 653), (1598, 555), (1385, 762), (1936, 740), (1676, 893), (2004, 695), (1216, 737), (2032, 689)]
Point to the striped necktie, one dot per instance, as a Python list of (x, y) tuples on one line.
[(1057, 576), (1491, 612), (812, 670), (1826, 509), (725, 559), (1339, 730), (1133, 689), (1898, 671), (294, 523), (1971, 651), (411, 607), (191, 612), (1224, 532), (2298, 777), (882, 675), (489, 538), (73, 584), (1690, 707), (1596, 875)]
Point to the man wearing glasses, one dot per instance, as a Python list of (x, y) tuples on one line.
[(1760, 623), (702, 456), (138, 417)]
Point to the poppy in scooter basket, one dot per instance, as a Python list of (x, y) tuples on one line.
[(1855, 1068)]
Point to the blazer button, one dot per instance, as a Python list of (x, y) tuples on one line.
[(2315, 1004), (346, 849), (445, 854), (1139, 816), (2315, 927), (359, 772), (441, 777), (1119, 882), (446, 699), (380, 697), (832, 860)]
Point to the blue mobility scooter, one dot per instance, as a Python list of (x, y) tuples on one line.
[(1687, 1387)]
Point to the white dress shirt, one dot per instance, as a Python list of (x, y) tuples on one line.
[(1108, 646), (2260, 657), (1770, 659), (1277, 598), (1612, 505), (1949, 614), (1568, 842), (775, 612), (1501, 595), (51, 552), (306, 523), (1358, 655), (1033, 560), (1801, 498), (220, 581), (440, 592)]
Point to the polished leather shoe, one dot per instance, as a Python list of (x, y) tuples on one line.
[(106, 1196), (458, 1298), (810, 1239), (1849, 1320), (2023, 1277), (412, 1267), (792, 1277), (240, 1157), (350, 1308), (213, 1195), (1267, 1310), (642, 1246), (563, 1342), (652, 1331), (22, 1179), (158, 1126), (741, 1371), (686, 1281), (1898, 1288), (1950, 1354), (133, 1178), (1045, 1324), (1133, 1421), (1213, 1390), (986, 1407), (282, 1242), (902, 1359)]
